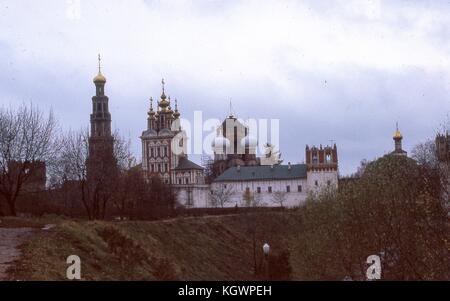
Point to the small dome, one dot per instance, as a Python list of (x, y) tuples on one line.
[(163, 104), (99, 78), (220, 142), (249, 141), (398, 135)]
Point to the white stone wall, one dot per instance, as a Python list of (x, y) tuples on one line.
[(317, 180), (293, 198), (199, 195)]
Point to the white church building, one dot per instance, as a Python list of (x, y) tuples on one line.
[(276, 185)]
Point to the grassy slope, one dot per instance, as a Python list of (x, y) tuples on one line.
[(206, 248)]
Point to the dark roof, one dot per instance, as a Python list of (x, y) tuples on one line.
[(263, 172), (185, 164)]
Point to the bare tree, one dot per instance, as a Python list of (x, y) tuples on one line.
[(130, 186), (132, 190), (221, 196), (279, 198), (27, 136), (425, 153), (252, 200), (72, 164), (97, 185)]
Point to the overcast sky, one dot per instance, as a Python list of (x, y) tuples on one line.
[(329, 70)]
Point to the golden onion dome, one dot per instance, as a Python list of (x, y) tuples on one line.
[(398, 135), (99, 78), (163, 104)]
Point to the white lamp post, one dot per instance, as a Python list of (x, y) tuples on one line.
[(266, 250)]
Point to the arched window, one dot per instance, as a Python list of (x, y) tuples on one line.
[(315, 159)]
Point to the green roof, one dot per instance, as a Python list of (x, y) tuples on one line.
[(263, 172)]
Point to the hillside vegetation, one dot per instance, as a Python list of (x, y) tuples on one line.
[(396, 210), (206, 248)]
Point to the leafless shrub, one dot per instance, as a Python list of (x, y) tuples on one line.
[(27, 136)]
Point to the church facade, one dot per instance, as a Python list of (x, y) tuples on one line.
[(164, 154)]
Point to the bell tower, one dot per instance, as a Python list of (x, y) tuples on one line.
[(322, 158), (101, 141)]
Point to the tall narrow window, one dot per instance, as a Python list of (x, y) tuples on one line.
[(288, 188), (190, 198), (314, 159), (269, 189), (299, 188)]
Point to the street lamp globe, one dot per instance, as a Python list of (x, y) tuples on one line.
[(266, 249)]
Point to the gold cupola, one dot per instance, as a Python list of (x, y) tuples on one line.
[(163, 103), (99, 78), (397, 134)]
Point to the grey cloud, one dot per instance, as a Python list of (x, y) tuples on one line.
[(327, 71)]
